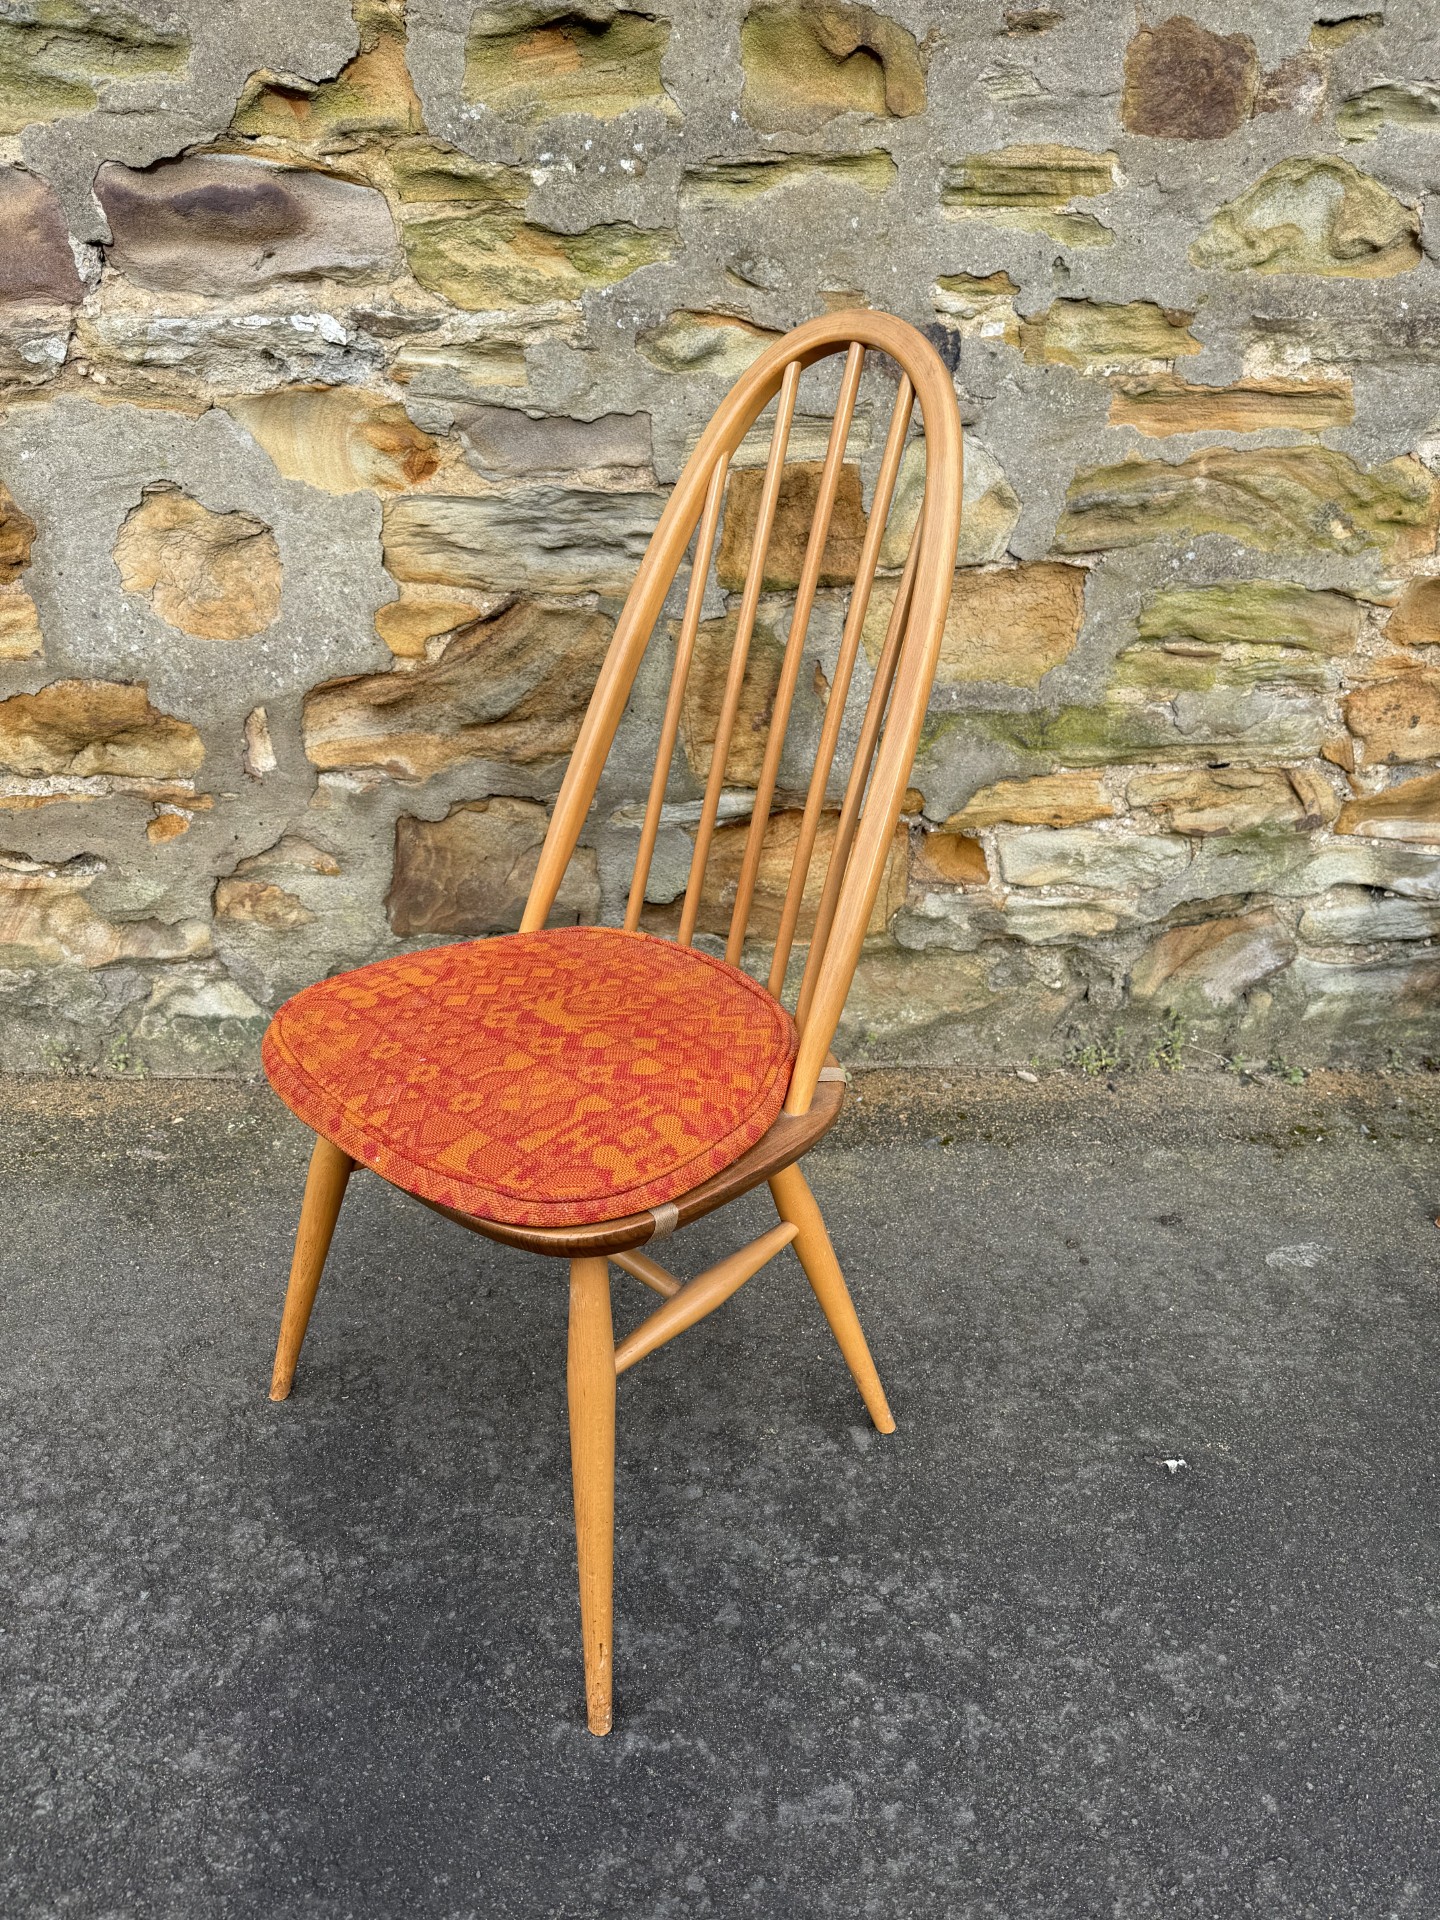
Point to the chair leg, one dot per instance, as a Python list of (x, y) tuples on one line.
[(795, 1202), (591, 1383), (324, 1190)]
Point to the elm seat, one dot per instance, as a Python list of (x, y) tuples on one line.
[(541, 1079)]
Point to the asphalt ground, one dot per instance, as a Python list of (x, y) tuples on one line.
[(1138, 1612)]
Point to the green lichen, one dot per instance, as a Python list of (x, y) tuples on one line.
[(1154, 669), (533, 63), (55, 58), (494, 260), (1274, 499), (1255, 613)]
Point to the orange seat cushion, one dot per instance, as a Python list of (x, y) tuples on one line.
[(542, 1079)]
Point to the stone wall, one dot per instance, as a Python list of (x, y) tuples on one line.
[(346, 359)]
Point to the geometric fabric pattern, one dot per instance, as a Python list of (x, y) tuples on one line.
[(541, 1079)]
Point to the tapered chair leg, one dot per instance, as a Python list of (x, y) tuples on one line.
[(795, 1202), (330, 1169), (591, 1382)]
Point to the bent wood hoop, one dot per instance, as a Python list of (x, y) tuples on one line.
[(905, 672)]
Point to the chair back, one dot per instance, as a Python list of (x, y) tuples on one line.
[(903, 667)]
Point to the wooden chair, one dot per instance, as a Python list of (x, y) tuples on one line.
[(372, 1059)]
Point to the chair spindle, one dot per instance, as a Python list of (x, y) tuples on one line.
[(840, 684), (860, 774), (740, 654), (794, 648), (670, 726)]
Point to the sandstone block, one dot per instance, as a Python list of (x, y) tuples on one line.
[(214, 575), (1087, 857), (183, 360), (436, 172), (1416, 619), (36, 264), (1224, 723), (1030, 188), (292, 853), (947, 923), (705, 693), (794, 515), (45, 921), (806, 64), (1050, 920), (17, 536), (371, 96), (533, 62), (1101, 335), (458, 370), (407, 625), (470, 873), (1184, 667), (1341, 28), (1165, 405), (1220, 799), (545, 538), (1254, 613), (1319, 216), (1048, 800), (494, 259), (260, 903), (980, 306), (946, 858), (1185, 83), (1212, 964), (1412, 104), (734, 183), (1410, 811), (226, 224), (1006, 624), (1299, 499), (513, 686), (20, 637), (85, 727), (1398, 719), (166, 823), (719, 344), (338, 439), (1354, 916), (506, 443), (56, 56), (257, 749), (989, 507), (1288, 864), (1029, 176), (34, 341)]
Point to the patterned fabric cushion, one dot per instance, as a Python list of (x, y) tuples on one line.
[(543, 1079)]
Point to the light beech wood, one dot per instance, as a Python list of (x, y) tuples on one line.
[(795, 1204), (591, 1390), (648, 1271), (702, 1296), (330, 1170)]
